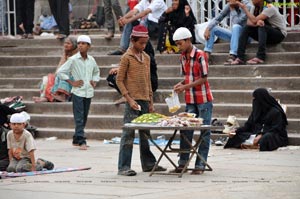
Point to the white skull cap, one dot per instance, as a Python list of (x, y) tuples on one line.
[(84, 38), (17, 118), (182, 33)]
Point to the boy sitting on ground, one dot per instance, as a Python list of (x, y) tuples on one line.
[(21, 147)]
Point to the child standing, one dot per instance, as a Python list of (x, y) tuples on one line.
[(198, 96), (133, 80), (21, 148), (85, 72)]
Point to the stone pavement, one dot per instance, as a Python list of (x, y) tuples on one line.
[(237, 174)]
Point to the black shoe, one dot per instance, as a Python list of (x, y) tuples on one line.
[(178, 169), (116, 52), (158, 168)]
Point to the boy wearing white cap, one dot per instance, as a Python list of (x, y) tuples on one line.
[(21, 147), (198, 96), (85, 72)]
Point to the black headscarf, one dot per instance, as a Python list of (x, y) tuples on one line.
[(178, 17), (262, 103)]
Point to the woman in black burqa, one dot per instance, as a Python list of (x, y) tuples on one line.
[(267, 121), (178, 15)]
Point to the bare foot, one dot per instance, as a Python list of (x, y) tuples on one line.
[(39, 99)]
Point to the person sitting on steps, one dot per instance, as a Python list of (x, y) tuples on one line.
[(60, 90), (148, 12), (266, 25)]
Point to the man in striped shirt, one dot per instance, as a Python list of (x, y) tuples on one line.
[(198, 96)]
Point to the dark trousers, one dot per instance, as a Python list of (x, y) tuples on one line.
[(81, 107), (264, 35), (25, 14), (60, 11)]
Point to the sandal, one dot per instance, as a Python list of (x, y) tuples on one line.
[(237, 61), (178, 169), (197, 172), (158, 168), (127, 173), (255, 60), (230, 59)]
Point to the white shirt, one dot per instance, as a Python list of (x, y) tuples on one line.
[(157, 7), (80, 69)]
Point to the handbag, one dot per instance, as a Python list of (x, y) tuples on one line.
[(111, 80)]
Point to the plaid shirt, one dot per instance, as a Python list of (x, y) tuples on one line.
[(193, 69)]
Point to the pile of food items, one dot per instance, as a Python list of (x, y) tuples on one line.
[(149, 118), (179, 120)]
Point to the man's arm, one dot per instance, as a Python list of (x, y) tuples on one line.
[(32, 159), (251, 18), (123, 21), (215, 21)]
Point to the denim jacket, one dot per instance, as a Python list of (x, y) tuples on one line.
[(237, 16)]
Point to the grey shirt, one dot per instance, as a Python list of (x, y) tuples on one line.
[(237, 16), (275, 19)]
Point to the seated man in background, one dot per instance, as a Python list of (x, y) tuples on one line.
[(148, 12), (238, 19)]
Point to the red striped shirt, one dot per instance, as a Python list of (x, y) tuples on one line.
[(194, 68)]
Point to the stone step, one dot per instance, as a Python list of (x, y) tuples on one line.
[(282, 83), (97, 40), (107, 122), (101, 134), (103, 50), (104, 60), (264, 70), (220, 96), (98, 108)]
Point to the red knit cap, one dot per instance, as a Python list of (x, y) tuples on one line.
[(139, 31)]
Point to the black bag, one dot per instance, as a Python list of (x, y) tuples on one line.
[(100, 16), (111, 80)]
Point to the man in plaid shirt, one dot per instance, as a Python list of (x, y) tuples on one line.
[(198, 96)]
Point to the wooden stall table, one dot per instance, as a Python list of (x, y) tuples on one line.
[(169, 149)]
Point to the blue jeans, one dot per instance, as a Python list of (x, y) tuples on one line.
[(224, 34), (125, 37), (204, 111), (81, 107), (147, 158)]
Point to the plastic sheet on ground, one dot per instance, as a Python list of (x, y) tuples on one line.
[(159, 142)]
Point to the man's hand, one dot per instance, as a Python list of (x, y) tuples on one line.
[(123, 21), (178, 88), (77, 83), (33, 167), (93, 83), (241, 5), (260, 23), (207, 34), (113, 71)]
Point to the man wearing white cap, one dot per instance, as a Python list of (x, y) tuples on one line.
[(21, 148), (85, 72), (198, 96)]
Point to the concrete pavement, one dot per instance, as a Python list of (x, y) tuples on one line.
[(237, 174)]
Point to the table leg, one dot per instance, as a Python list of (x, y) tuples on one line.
[(163, 152)]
